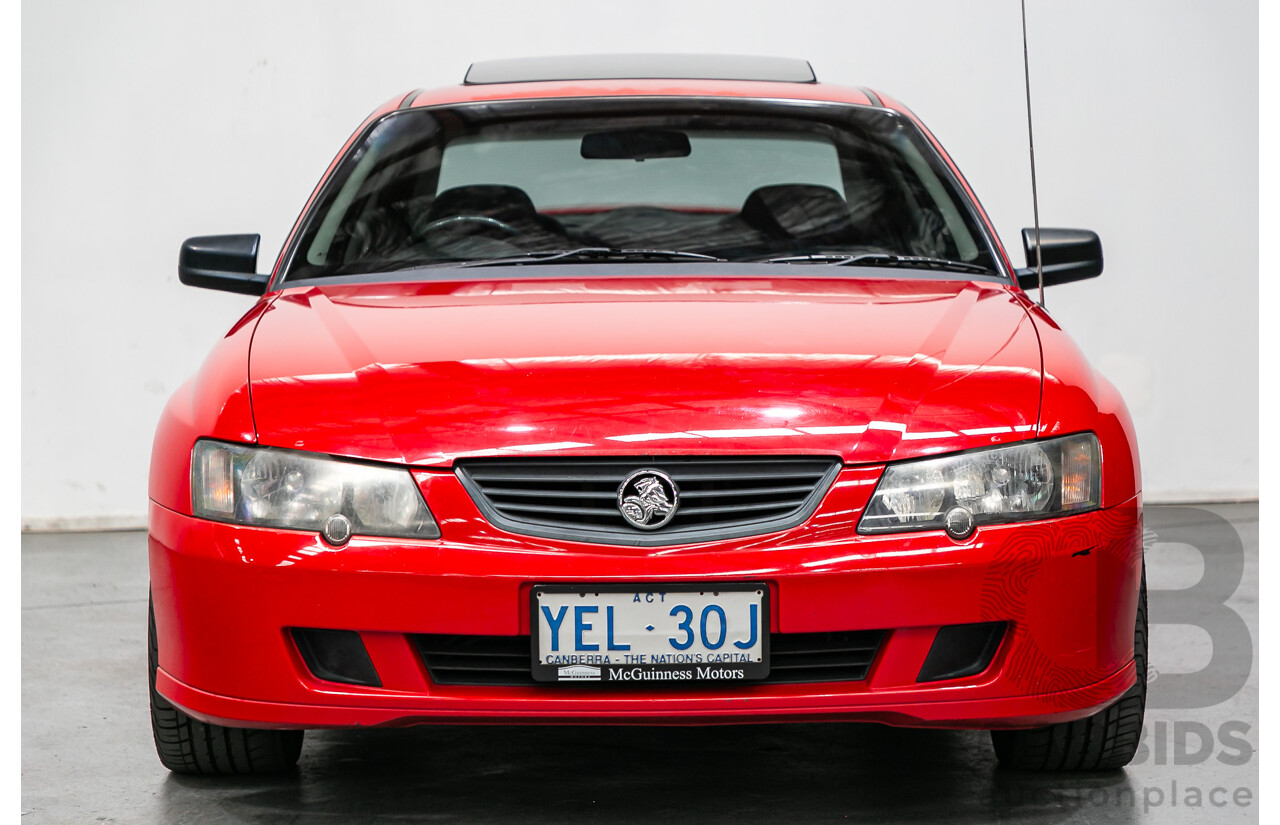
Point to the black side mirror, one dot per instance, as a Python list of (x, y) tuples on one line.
[(1069, 255), (226, 262)]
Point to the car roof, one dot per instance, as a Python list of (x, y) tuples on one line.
[(641, 75), (640, 66)]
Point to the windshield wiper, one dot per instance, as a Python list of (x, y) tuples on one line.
[(884, 259), (591, 253)]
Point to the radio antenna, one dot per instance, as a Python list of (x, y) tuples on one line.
[(1031, 144)]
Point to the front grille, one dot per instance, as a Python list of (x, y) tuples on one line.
[(844, 656), (577, 498)]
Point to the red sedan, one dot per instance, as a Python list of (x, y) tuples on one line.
[(645, 390)]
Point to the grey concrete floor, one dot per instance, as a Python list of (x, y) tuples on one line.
[(88, 756)]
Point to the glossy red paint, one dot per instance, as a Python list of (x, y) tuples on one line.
[(1075, 397), (423, 374), (212, 404), (869, 369), (224, 665)]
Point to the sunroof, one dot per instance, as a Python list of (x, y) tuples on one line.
[(640, 66)]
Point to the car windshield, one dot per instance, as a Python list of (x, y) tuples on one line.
[(527, 181)]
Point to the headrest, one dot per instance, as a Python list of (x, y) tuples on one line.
[(490, 200), (796, 210)]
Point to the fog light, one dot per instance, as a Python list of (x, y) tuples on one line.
[(337, 530), (959, 523)]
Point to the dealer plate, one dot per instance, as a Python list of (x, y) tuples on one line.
[(650, 634)]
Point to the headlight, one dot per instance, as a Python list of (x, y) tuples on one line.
[(956, 493), (266, 487)]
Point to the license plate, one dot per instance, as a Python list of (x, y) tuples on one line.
[(650, 634)]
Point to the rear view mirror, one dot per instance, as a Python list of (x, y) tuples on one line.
[(635, 145), (226, 262), (1069, 255)]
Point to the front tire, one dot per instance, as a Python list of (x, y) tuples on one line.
[(187, 745), (1107, 740)]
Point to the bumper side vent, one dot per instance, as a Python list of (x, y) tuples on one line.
[(961, 650), (336, 656), (844, 656), (476, 660)]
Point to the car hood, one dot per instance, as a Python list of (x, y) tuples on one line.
[(871, 369)]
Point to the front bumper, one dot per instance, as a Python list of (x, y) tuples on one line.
[(225, 597)]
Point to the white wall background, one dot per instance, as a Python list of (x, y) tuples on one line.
[(147, 122)]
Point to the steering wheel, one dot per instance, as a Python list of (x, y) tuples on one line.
[(483, 220)]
